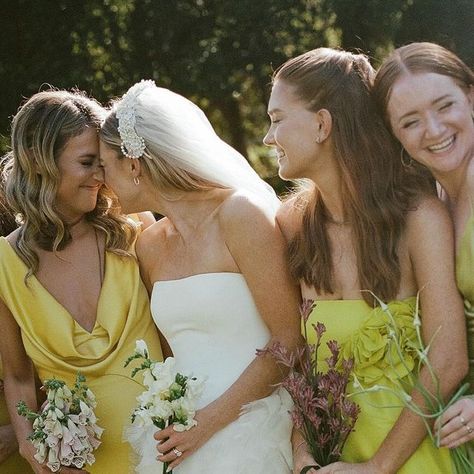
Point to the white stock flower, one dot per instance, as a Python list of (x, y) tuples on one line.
[(194, 388), (141, 348), (148, 378), (162, 409), (142, 418)]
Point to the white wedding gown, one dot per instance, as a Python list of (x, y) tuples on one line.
[(213, 327)]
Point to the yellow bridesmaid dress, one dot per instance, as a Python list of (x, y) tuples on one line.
[(361, 333), (465, 281), (15, 464), (59, 347)]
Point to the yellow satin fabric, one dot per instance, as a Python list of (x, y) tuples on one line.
[(353, 324), (59, 347), (465, 281)]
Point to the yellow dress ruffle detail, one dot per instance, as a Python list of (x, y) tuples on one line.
[(59, 347), (362, 334), (376, 359)]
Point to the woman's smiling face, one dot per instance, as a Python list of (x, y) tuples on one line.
[(431, 115)]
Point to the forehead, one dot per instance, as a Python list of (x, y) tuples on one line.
[(86, 143), (412, 91), (283, 96), (106, 152)]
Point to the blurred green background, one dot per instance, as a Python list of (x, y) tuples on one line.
[(219, 53)]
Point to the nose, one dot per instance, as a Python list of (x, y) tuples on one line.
[(434, 126), (99, 173), (269, 139)]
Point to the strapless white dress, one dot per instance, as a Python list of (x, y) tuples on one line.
[(213, 327)]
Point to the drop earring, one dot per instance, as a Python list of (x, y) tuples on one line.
[(406, 162), (136, 180)]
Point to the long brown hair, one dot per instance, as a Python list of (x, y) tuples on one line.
[(40, 131), (418, 58), (376, 191)]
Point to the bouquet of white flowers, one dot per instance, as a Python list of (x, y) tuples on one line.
[(65, 432), (169, 399)]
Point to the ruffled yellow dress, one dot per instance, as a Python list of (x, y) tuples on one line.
[(15, 464), (362, 334), (59, 347)]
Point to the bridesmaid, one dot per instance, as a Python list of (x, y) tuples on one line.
[(426, 94), (361, 223), (71, 298)]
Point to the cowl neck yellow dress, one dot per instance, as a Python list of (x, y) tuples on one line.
[(362, 334), (59, 347)]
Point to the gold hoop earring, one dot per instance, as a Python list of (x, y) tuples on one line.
[(406, 162), (136, 180)]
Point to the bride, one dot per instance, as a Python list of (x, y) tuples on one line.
[(215, 267)]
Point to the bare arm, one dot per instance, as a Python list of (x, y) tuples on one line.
[(19, 384), (8, 442), (431, 247), (259, 249)]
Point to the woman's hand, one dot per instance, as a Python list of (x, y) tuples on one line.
[(456, 424), (301, 460), (8, 443), (172, 443), (349, 468)]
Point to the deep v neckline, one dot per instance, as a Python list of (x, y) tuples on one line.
[(42, 288)]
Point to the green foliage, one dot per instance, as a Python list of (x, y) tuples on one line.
[(219, 53)]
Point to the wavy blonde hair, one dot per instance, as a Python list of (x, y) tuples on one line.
[(40, 131)]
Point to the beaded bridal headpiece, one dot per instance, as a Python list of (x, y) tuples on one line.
[(132, 146)]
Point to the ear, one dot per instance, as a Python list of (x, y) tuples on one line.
[(470, 95), (135, 167), (323, 125)]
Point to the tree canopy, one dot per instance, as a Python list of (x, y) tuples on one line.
[(219, 53)]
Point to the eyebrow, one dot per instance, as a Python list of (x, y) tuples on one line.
[(412, 112)]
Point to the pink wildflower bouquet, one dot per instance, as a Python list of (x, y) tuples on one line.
[(65, 432), (322, 411)]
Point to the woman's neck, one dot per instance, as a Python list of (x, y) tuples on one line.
[(329, 186), (189, 212)]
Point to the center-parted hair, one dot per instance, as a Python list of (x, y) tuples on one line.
[(40, 131), (376, 191), (416, 58)]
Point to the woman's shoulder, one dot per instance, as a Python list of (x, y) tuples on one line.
[(426, 209), (151, 237), (290, 215), (429, 219), (242, 206)]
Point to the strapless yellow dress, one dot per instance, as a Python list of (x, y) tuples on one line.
[(361, 333), (59, 347)]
